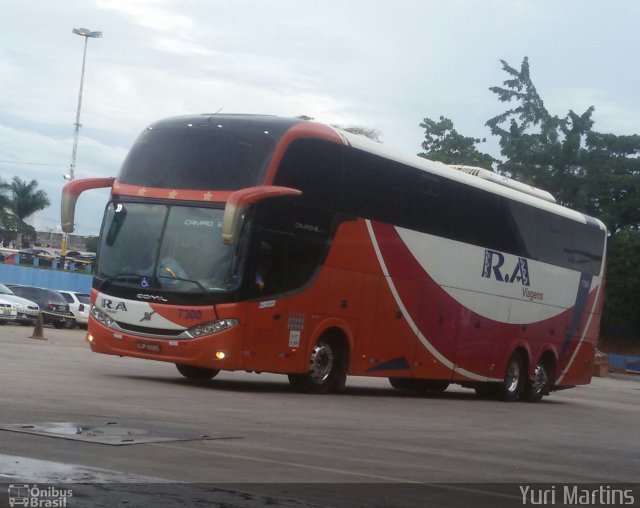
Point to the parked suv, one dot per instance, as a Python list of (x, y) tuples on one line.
[(55, 310), (26, 310), (79, 305)]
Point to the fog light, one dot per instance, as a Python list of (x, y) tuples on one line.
[(221, 355), (89, 338)]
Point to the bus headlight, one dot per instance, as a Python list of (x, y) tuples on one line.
[(101, 316), (212, 327)]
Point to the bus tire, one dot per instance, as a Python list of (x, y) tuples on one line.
[(327, 368), (539, 386), (197, 373), (418, 385), (514, 381)]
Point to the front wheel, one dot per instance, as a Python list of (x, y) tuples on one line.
[(539, 386), (327, 369), (514, 379), (197, 373)]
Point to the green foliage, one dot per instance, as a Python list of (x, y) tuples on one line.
[(26, 199), (613, 180), (444, 144), (18, 201), (540, 149), (373, 134), (91, 243), (622, 301)]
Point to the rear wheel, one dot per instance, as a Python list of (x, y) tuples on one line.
[(514, 379), (58, 324), (198, 373), (538, 387), (327, 368)]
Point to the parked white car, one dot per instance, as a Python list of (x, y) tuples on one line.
[(79, 305), (26, 310), (8, 311)]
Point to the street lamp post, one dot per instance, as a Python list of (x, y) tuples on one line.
[(86, 33)]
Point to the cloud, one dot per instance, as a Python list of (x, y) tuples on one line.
[(160, 15)]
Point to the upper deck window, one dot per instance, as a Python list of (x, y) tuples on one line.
[(189, 156)]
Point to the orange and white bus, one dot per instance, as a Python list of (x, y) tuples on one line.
[(264, 244)]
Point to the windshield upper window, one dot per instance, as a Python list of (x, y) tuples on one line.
[(178, 248), (198, 157)]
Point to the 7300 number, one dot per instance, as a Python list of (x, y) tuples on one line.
[(189, 314)]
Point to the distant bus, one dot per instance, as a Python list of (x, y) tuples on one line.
[(263, 244)]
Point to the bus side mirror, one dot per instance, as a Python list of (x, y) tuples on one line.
[(70, 193), (239, 201)]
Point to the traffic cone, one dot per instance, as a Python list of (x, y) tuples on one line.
[(38, 330)]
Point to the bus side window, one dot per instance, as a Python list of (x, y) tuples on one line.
[(429, 186)]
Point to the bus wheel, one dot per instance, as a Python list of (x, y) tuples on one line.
[(418, 385), (327, 369), (538, 387), (514, 379), (198, 373)]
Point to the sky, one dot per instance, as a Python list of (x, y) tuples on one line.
[(373, 63)]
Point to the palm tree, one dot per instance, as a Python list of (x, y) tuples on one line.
[(4, 204), (25, 200)]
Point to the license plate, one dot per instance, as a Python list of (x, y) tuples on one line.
[(6, 312), (148, 346)]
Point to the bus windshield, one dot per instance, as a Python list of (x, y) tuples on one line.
[(178, 248)]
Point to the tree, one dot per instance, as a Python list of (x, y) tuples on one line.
[(613, 180), (370, 133), (91, 243), (622, 302), (4, 203), (25, 200), (443, 143), (540, 149)]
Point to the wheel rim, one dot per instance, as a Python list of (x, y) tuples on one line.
[(321, 363), (512, 379), (540, 379)]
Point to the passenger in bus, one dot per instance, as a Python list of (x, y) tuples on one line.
[(263, 266), (169, 267)]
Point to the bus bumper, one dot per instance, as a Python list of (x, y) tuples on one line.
[(222, 350)]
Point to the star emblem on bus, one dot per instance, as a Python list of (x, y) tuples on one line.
[(142, 192), (207, 196), (173, 194)]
